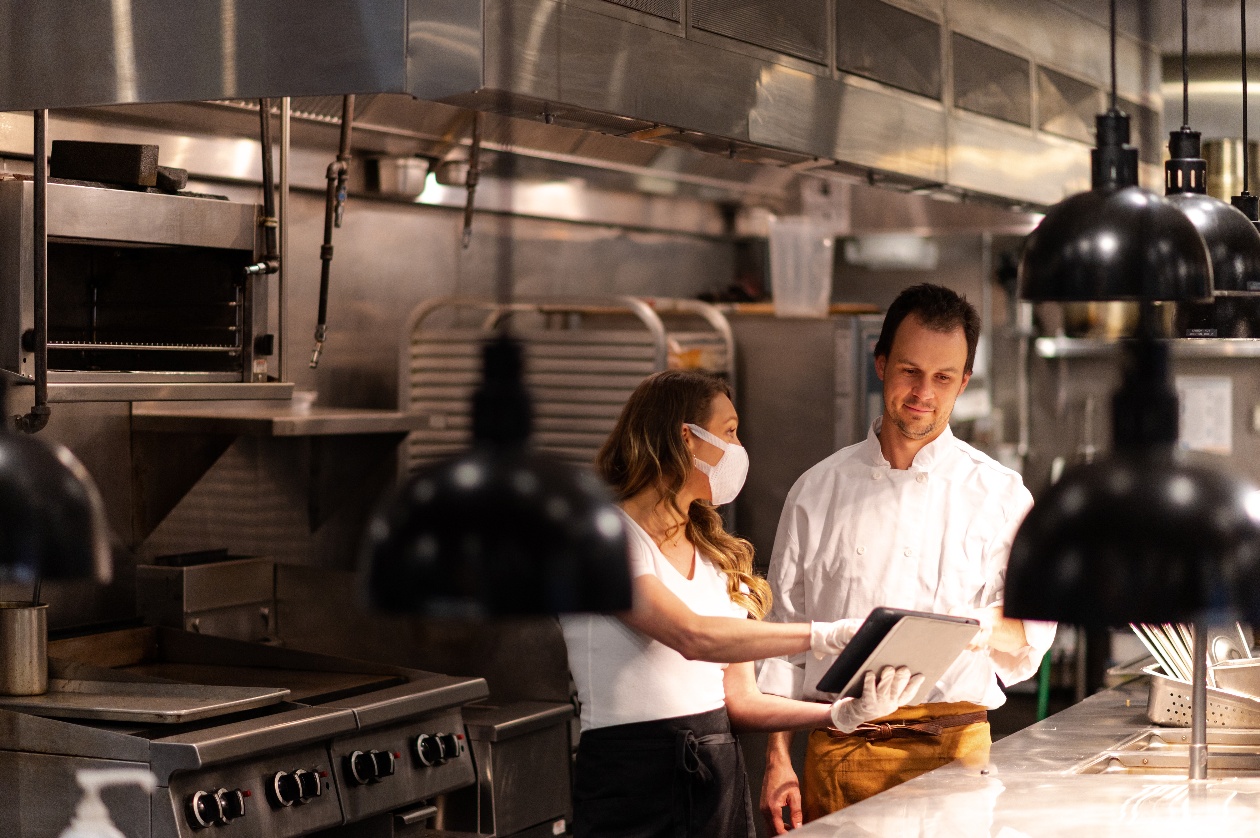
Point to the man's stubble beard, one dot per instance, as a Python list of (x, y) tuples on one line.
[(902, 426)]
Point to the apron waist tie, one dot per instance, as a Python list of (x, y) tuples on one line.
[(693, 770), (879, 731)]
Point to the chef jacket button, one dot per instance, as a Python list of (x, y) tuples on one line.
[(908, 552), (875, 474), (922, 478), (861, 551)]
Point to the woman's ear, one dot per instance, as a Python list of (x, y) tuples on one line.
[(690, 439)]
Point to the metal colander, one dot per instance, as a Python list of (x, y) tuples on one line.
[(1169, 704)]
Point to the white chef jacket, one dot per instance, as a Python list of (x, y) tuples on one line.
[(856, 534)]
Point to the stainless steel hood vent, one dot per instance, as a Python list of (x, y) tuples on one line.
[(726, 77)]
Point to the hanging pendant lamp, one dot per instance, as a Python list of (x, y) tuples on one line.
[(501, 529), (52, 520), (1117, 241), (1140, 535)]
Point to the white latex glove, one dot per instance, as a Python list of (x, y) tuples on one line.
[(879, 697), (830, 638)]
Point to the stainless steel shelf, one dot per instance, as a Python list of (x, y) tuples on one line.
[(1064, 347), (122, 391), (282, 420)]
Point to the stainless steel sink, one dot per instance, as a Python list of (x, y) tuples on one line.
[(1232, 752)]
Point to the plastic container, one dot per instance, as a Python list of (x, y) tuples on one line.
[(802, 256), (23, 648)]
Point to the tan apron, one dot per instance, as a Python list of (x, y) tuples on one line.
[(841, 770)]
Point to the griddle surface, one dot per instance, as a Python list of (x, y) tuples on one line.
[(304, 686)]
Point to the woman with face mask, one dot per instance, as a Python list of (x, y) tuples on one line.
[(662, 686)]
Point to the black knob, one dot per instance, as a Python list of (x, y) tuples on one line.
[(384, 763), (428, 750), (309, 784), (231, 804), (361, 767), (204, 810), (285, 788), (451, 746)]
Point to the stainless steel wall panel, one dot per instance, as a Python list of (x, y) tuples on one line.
[(532, 58), (444, 48), (991, 81), (668, 9), (617, 67), (1066, 106), (857, 121), (988, 157), (794, 27), (140, 51), (890, 45), (1060, 38)]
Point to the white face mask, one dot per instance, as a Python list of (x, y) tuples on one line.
[(727, 477)]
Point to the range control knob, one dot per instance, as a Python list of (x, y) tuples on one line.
[(383, 762), (290, 787), (361, 767), (285, 788), (309, 784), (428, 750), (452, 745), (204, 810), (231, 804)]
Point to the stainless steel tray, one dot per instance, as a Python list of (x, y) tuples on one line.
[(1169, 704), (140, 701)]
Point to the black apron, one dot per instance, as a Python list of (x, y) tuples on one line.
[(668, 778)]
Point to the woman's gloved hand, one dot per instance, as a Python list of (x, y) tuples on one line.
[(829, 638), (881, 696)]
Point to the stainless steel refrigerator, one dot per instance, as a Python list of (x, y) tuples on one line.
[(804, 389)]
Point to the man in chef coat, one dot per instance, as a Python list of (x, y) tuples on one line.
[(913, 518)]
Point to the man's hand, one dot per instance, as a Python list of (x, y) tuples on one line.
[(996, 631), (780, 788)]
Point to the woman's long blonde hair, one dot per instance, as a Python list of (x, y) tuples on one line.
[(646, 451)]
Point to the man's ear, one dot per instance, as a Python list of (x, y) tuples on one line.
[(966, 377), (881, 361)]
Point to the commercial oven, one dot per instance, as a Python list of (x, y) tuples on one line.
[(143, 287)]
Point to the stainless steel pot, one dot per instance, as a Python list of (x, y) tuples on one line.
[(23, 648)]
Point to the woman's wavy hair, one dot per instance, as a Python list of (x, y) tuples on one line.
[(646, 451)]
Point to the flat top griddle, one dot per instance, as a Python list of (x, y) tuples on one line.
[(303, 686), (141, 701)]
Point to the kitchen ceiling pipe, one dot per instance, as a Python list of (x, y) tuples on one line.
[(35, 420), (334, 209)]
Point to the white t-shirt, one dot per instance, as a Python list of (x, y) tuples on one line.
[(623, 676), (856, 533)]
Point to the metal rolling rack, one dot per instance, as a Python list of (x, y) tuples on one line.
[(584, 356)]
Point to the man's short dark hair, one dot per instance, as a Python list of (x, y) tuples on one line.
[(937, 308)]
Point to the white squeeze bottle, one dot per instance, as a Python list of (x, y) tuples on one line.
[(91, 818)]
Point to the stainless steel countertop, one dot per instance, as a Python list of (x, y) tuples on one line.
[(1029, 789)]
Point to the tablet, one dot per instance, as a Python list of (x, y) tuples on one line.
[(924, 642)]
